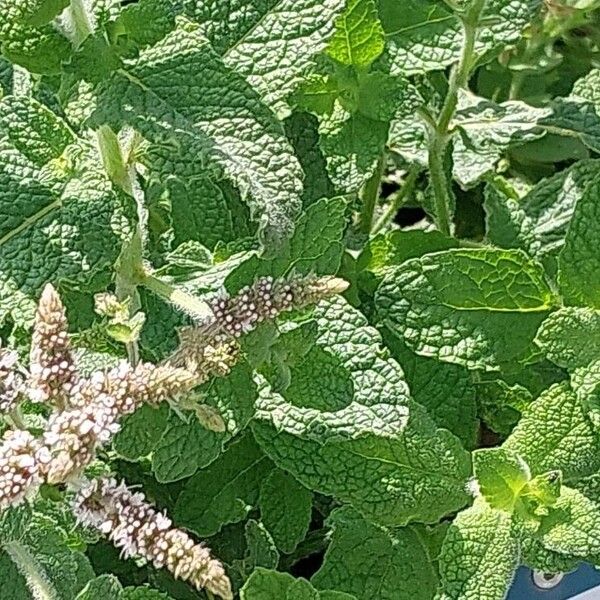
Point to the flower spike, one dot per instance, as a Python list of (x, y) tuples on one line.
[(52, 369), (138, 529)]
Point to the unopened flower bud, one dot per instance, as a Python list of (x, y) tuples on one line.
[(11, 380)]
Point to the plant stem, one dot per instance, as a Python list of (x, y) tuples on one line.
[(38, 585), (369, 196), (399, 198), (112, 158), (439, 136), (82, 26), (190, 304)]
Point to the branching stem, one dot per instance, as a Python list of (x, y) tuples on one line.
[(439, 136)]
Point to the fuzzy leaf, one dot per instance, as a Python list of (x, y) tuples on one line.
[(556, 434), (479, 556), (369, 561), (477, 308), (570, 337), (578, 263), (423, 35), (62, 220), (225, 491), (217, 127), (184, 447), (285, 509), (370, 449), (271, 585), (272, 43)]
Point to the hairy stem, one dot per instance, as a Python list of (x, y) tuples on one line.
[(39, 586), (80, 21), (369, 196), (399, 198), (112, 158), (439, 136), (190, 304)]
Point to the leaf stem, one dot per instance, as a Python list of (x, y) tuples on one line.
[(38, 585), (190, 304), (439, 136), (399, 198), (369, 196), (82, 25)]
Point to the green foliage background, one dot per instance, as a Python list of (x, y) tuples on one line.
[(421, 436)]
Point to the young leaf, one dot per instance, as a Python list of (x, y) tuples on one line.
[(225, 491), (477, 308), (501, 476), (372, 562), (261, 549), (556, 434), (479, 555), (285, 509), (358, 39), (572, 526)]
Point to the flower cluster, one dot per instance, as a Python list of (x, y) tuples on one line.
[(267, 298), (139, 529), (11, 380), (22, 461), (52, 370)]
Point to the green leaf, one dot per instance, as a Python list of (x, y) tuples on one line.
[(358, 39), (143, 593), (578, 263), (37, 545), (140, 432), (570, 337), (261, 549), (27, 40), (302, 130), (556, 434), (106, 587), (538, 222), (487, 130), (216, 127), (479, 555), (500, 404), (289, 33), (376, 448), (477, 308), (271, 585), (225, 491), (501, 476), (444, 389), (316, 247), (572, 526), (577, 118), (184, 447), (285, 509), (352, 145), (423, 35), (369, 561), (63, 221), (392, 249)]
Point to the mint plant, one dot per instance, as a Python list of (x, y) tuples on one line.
[(298, 299)]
